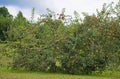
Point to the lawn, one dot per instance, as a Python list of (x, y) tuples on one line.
[(10, 74)]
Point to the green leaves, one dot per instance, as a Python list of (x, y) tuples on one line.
[(82, 46), (5, 22)]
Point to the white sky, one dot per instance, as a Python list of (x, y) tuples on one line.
[(80, 6)]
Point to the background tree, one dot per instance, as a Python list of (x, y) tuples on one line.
[(5, 22), (19, 25)]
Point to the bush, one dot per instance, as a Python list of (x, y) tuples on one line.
[(76, 47)]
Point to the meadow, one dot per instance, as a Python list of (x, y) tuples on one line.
[(15, 74)]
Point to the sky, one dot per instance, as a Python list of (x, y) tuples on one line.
[(89, 6)]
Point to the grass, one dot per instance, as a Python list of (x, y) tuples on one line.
[(19, 74), (15, 74)]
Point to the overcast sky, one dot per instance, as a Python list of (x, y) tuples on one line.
[(40, 6)]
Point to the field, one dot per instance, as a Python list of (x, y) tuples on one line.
[(14, 74)]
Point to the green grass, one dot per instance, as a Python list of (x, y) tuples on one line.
[(15, 74)]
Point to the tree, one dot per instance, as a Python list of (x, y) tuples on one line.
[(32, 15), (19, 20), (5, 22), (80, 47), (4, 12), (19, 25)]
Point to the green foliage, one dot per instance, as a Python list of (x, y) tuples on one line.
[(20, 20), (32, 15), (5, 22), (4, 12), (18, 29), (77, 47)]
